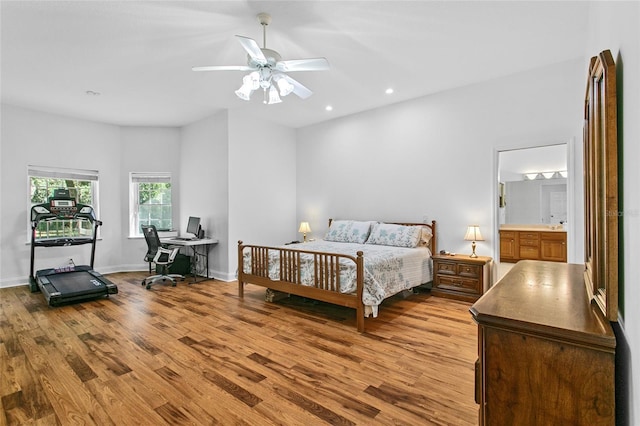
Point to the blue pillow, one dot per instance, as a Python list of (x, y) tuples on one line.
[(387, 234), (348, 231)]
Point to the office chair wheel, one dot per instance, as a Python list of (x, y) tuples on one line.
[(149, 286)]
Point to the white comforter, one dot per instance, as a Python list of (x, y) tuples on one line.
[(388, 270)]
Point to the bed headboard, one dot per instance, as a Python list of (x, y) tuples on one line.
[(432, 226)]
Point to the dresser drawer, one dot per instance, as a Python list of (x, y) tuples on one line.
[(459, 284)]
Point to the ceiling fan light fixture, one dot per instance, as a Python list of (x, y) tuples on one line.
[(274, 98), (253, 80), (284, 86), (244, 92), (268, 69)]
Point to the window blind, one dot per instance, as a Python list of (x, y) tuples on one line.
[(59, 173), (154, 177)]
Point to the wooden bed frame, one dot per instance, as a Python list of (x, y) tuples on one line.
[(327, 278)]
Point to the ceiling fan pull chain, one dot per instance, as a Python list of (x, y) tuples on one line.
[(264, 36)]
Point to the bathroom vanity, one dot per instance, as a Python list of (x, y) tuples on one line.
[(532, 242)]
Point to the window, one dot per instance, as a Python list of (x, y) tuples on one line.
[(82, 185), (150, 202)]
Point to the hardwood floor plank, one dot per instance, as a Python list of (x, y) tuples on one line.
[(197, 354)]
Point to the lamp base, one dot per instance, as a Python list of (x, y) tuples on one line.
[(473, 250)]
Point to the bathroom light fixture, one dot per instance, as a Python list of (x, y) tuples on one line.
[(545, 175)]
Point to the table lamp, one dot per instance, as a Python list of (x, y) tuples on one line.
[(473, 234), (304, 228)]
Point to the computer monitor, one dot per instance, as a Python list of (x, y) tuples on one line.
[(193, 227)]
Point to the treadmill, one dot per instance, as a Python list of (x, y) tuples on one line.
[(72, 283)]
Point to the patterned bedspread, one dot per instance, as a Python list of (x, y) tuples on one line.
[(388, 270)]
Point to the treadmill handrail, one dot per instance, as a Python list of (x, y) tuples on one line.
[(43, 212)]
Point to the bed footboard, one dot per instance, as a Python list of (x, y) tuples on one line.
[(326, 275)]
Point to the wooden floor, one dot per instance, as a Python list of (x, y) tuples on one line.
[(196, 354)]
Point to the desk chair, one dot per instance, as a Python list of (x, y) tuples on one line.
[(159, 255)]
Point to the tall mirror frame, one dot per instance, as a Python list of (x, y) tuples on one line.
[(601, 185)]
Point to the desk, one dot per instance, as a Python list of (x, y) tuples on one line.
[(194, 244)]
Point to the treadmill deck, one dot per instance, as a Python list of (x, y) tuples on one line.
[(67, 286)]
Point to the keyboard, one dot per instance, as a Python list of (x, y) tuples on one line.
[(185, 238)]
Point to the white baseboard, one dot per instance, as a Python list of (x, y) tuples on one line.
[(19, 281)]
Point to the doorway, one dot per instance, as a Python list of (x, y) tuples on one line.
[(534, 188)]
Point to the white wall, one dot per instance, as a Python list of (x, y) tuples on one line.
[(204, 191), (31, 137), (238, 174), (208, 160), (262, 183), (615, 26), (433, 157), (143, 149)]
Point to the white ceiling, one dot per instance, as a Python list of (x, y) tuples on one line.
[(138, 54)]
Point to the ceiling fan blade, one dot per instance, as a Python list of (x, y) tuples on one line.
[(223, 68), (311, 64), (298, 88), (252, 49)]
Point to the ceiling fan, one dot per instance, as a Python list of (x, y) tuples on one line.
[(267, 69)]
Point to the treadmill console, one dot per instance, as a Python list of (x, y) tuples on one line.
[(63, 209)]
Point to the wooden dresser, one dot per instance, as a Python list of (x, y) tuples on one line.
[(546, 354), (517, 245)]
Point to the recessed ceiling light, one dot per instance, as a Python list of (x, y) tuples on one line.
[(92, 93), (328, 108), (389, 91)]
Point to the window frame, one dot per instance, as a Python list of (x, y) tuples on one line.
[(49, 172), (135, 179)]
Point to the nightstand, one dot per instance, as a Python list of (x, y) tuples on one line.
[(460, 276)]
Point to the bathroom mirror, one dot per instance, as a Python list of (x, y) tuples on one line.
[(533, 185)]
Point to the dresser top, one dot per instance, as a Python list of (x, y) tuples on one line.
[(548, 299)]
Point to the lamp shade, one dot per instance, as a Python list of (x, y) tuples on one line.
[(473, 233), (304, 227)]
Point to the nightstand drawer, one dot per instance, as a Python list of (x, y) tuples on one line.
[(459, 284), (472, 271), (447, 268)]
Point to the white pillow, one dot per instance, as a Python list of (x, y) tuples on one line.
[(425, 236), (388, 234), (348, 231)]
